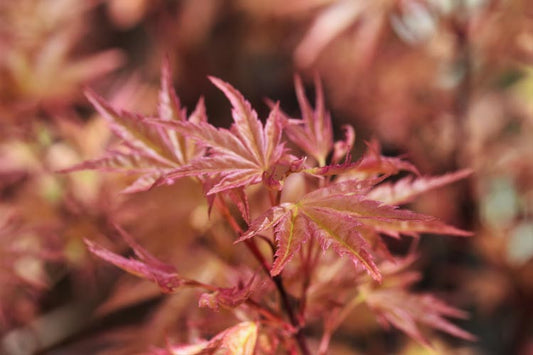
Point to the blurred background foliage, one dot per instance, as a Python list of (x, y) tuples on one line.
[(447, 82)]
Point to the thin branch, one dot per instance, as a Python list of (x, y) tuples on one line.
[(278, 281), (299, 336)]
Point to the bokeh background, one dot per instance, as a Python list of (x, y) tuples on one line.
[(449, 83)]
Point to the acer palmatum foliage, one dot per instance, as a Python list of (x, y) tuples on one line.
[(313, 209)]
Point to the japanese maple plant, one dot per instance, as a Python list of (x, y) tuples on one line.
[(315, 221)]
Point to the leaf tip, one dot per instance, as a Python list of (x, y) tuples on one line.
[(217, 81)]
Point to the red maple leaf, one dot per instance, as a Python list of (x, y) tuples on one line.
[(238, 157), (147, 266), (342, 217), (313, 133), (146, 149), (395, 305)]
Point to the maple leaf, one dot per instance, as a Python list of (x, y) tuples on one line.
[(240, 199), (147, 150), (395, 305), (407, 189), (365, 21), (406, 311), (148, 266), (371, 165), (342, 217), (39, 65), (240, 156), (342, 148), (334, 20), (313, 133)]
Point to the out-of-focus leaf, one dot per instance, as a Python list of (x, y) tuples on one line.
[(408, 188), (407, 311), (237, 340), (148, 150), (373, 163), (39, 39), (326, 27), (227, 297), (148, 266)]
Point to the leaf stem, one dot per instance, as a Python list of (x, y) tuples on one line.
[(299, 336), (278, 281), (307, 274), (275, 197), (221, 205), (194, 283), (267, 313)]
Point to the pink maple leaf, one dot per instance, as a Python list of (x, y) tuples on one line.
[(146, 149), (341, 216), (147, 266), (238, 157), (313, 133)]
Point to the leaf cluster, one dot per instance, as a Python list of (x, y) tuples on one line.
[(345, 211)]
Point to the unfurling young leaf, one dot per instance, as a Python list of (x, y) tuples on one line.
[(227, 297)]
